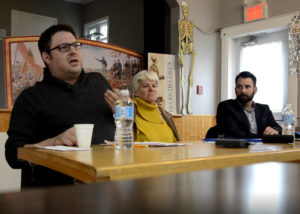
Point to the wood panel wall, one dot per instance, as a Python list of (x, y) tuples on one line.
[(193, 127), (190, 127)]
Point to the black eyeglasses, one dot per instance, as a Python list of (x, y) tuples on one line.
[(65, 47)]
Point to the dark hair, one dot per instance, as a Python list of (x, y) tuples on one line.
[(46, 36), (246, 74)]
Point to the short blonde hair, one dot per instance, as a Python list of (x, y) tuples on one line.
[(142, 76), (184, 3)]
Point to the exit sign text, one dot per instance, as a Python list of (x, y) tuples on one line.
[(255, 12)]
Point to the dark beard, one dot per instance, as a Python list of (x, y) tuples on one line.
[(243, 98)]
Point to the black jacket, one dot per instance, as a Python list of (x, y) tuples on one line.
[(233, 122), (49, 108)]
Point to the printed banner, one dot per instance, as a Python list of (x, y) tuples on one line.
[(164, 66)]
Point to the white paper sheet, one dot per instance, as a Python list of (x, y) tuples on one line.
[(65, 148), (151, 144)]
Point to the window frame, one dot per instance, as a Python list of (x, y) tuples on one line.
[(98, 22)]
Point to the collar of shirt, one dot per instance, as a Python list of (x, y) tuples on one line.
[(252, 109), (60, 83)]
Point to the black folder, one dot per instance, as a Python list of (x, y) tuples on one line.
[(277, 138)]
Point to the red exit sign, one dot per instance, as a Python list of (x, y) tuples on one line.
[(255, 12)]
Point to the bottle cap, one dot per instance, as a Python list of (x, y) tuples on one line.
[(124, 92)]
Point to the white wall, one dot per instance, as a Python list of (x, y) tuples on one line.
[(208, 15), (231, 12), (205, 15), (10, 179), (28, 24)]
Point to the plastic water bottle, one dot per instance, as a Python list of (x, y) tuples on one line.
[(288, 120), (124, 118)]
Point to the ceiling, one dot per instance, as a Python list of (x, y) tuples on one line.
[(79, 1)]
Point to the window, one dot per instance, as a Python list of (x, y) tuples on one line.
[(266, 60), (97, 30)]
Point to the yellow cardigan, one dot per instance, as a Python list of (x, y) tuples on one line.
[(150, 125)]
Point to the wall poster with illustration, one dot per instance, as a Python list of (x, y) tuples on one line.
[(164, 66), (24, 65)]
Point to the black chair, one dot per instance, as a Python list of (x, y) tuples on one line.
[(212, 132)]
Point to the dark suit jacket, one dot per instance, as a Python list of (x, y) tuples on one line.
[(233, 122)]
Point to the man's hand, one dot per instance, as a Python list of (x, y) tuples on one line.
[(111, 96), (67, 138), (270, 131)]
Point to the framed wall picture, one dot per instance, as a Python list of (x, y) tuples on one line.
[(24, 65)]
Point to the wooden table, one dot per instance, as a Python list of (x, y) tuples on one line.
[(107, 163), (258, 188)]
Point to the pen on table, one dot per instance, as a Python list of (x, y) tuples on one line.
[(139, 146)]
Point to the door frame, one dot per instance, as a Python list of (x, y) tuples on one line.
[(229, 34)]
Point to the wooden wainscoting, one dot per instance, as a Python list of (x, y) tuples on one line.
[(190, 127), (4, 119), (193, 127)]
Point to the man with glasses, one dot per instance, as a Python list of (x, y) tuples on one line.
[(44, 115), (242, 117)]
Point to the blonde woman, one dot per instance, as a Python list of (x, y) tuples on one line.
[(152, 122)]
